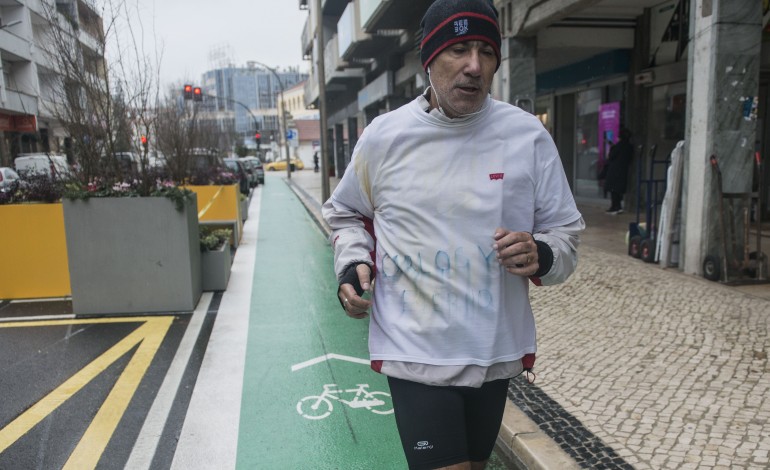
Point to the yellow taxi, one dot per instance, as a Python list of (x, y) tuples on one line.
[(280, 165)]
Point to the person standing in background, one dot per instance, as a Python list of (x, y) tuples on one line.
[(618, 162)]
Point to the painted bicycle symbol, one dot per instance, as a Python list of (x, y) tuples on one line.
[(320, 406)]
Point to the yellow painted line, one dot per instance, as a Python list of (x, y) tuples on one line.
[(208, 206), (91, 446), (99, 432)]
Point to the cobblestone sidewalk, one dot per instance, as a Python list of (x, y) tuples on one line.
[(667, 370)]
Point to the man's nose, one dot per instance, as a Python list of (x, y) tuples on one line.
[(473, 65)]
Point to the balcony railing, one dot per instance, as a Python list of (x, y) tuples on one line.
[(14, 44), (307, 38), (335, 68), (349, 31), (20, 102)]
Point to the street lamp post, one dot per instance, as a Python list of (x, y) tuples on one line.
[(283, 117), (321, 73)]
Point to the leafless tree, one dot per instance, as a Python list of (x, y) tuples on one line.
[(104, 100), (190, 136)]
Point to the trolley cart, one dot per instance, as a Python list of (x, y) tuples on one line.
[(641, 242), (736, 265)]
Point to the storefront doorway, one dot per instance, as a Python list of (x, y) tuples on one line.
[(595, 131)]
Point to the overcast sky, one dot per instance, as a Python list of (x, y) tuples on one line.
[(188, 31)]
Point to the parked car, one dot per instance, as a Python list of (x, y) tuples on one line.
[(238, 167), (296, 164), (156, 159), (252, 172), (53, 166), (9, 179), (205, 159), (259, 168), (128, 162)]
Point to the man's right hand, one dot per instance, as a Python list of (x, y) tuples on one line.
[(355, 305)]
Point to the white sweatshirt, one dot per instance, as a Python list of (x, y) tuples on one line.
[(436, 189)]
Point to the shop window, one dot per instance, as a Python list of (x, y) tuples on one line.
[(675, 116), (587, 143), (667, 125)]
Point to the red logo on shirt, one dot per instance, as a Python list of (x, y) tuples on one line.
[(496, 176)]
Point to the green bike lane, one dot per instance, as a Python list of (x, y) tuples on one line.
[(309, 398)]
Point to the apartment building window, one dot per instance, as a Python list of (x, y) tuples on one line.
[(509, 18), (8, 76)]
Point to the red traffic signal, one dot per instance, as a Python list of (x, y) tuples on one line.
[(144, 140), (257, 136), (197, 94), (188, 92)]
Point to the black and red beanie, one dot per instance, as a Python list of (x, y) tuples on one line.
[(448, 22)]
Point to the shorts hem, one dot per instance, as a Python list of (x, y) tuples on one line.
[(438, 463)]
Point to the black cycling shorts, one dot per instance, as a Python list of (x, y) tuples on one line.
[(441, 426)]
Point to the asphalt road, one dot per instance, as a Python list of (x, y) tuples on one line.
[(76, 391)]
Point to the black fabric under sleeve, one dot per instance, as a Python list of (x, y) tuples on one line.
[(544, 258)]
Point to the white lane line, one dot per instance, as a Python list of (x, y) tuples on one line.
[(209, 437), (68, 316), (149, 436), (47, 299), (326, 357)]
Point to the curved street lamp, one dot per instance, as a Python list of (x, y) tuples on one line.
[(282, 118), (253, 118)]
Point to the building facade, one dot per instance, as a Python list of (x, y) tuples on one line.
[(300, 121), (29, 78), (695, 71), (249, 96)]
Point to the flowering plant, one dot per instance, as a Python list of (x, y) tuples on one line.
[(34, 188), (99, 187)]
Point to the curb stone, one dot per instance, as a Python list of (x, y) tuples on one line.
[(529, 447)]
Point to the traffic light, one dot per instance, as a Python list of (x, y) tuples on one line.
[(197, 94), (144, 142), (188, 92), (258, 139)]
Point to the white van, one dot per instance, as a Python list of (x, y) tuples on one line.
[(55, 166)]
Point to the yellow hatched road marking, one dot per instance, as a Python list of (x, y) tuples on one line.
[(149, 336)]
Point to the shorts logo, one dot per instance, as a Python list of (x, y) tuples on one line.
[(461, 27), (423, 445), (496, 176)]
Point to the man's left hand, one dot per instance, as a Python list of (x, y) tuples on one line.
[(516, 252)]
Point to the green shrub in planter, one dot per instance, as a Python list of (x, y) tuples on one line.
[(215, 258)]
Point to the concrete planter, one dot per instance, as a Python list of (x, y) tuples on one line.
[(132, 255), (215, 268), (219, 206), (245, 209)]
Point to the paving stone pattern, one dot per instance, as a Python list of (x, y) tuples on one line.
[(588, 450), (667, 370)]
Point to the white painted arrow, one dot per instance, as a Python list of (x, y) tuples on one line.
[(326, 357)]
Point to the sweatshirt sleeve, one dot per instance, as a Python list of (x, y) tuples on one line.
[(563, 242), (349, 213), (558, 222)]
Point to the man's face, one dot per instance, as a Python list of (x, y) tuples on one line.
[(461, 77)]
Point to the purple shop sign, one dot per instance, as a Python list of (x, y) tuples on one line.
[(609, 126)]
